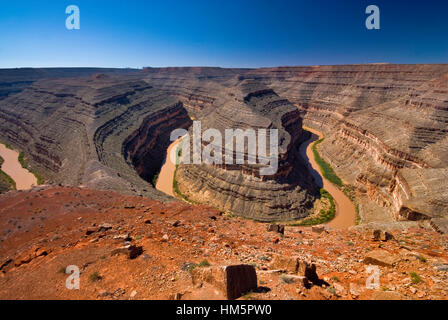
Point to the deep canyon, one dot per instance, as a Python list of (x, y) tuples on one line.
[(108, 129)]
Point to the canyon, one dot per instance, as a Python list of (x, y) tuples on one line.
[(23, 179), (385, 128), (99, 138)]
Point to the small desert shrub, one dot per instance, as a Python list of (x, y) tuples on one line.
[(204, 263), (335, 278), (95, 277), (415, 278), (422, 258)]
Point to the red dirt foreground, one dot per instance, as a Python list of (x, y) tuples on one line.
[(136, 248)]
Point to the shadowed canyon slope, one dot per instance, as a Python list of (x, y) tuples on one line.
[(385, 126)]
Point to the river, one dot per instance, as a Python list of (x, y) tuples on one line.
[(23, 178), (345, 209)]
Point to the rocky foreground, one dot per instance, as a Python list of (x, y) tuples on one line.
[(135, 248)]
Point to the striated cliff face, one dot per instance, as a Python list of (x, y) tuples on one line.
[(287, 194), (76, 131), (146, 147), (385, 125), (13, 81)]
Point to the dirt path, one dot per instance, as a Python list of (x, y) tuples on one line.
[(12, 167), (345, 209), (165, 180)]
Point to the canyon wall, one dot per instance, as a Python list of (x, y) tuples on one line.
[(75, 131), (382, 122), (385, 131), (385, 126)]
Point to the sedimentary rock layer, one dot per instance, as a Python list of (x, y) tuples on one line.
[(286, 194), (74, 130), (385, 127), (381, 121)]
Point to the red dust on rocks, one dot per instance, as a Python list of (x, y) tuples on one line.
[(44, 230)]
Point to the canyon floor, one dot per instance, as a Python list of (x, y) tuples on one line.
[(48, 228)]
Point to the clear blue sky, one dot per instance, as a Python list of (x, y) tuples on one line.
[(226, 33)]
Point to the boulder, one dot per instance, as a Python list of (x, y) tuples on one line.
[(104, 227), (380, 235), (339, 289), (233, 281), (285, 263), (130, 251), (295, 266), (91, 230), (300, 280), (381, 258), (279, 228), (125, 237), (386, 236), (376, 235), (318, 229)]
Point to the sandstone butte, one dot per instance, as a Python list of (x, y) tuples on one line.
[(98, 137)]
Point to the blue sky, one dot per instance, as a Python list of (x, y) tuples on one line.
[(243, 33)]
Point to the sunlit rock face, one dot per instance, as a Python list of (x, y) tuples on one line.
[(385, 128), (287, 193), (86, 131)]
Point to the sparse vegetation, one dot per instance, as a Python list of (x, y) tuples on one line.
[(202, 264), (154, 178), (415, 278), (330, 175), (335, 278), (6, 182), (324, 215), (7, 145), (24, 163), (422, 258), (325, 167), (175, 184)]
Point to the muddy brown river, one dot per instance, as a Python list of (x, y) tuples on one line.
[(12, 167), (165, 180), (345, 209)]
